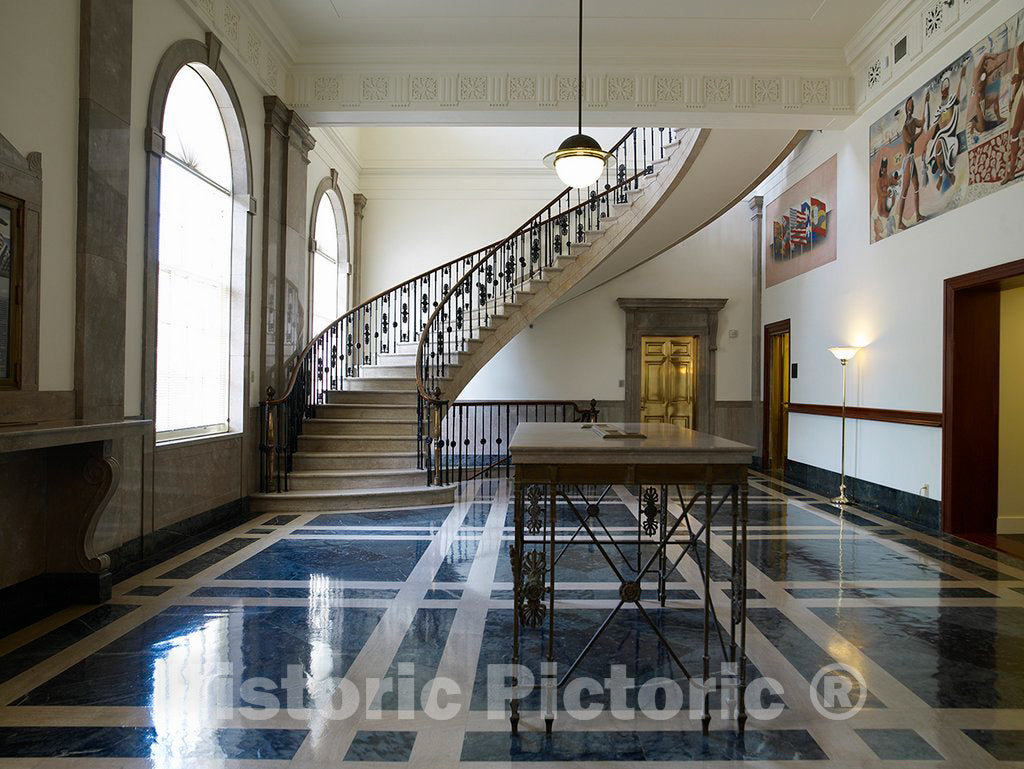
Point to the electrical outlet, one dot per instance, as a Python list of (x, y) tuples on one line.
[(622, 383), (734, 334)]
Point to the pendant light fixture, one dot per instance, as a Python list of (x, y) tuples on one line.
[(579, 161)]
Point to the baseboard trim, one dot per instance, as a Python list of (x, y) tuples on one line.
[(141, 553), (913, 508), (30, 601), (1010, 525)]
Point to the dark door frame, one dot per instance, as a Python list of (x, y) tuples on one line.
[(971, 311), (770, 330)]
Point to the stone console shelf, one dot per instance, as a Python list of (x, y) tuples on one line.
[(49, 509)]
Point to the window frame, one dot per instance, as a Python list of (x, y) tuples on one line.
[(328, 187), (204, 59)]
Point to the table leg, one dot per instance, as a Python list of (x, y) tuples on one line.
[(708, 511), (517, 555), (741, 720), (662, 558), (734, 577), (552, 694)]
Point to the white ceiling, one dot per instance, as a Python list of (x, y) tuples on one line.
[(317, 30)]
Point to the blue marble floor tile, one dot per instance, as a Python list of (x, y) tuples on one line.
[(149, 590), (477, 515), (971, 567), (208, 559), (951, 591), (775, 745), (580, 747), (899, 745), (611, 513), (595, 746), (457, 561), (439, 594), (34, 652), (851, 560), (801, 652), (183, 647), (419, 654), (360, 560), (949, 656), (628, 641), (381, 746), (280, 520), (417, 516), (260, 531), (583, 562), (779, 514), (650, 593), (333, 591), (1001, 744), (148, 742)]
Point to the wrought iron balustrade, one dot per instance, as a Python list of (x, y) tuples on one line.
[(472, 439), (443, 309)]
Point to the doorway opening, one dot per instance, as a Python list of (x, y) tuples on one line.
[(668, 384), (776, 397), (983, 415)]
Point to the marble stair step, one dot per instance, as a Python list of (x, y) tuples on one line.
[(399, 411), (347, 480), (356, 443), (366, 396), (392, 372), (360, 426), (352, 500), (404, 384), (354, 460)]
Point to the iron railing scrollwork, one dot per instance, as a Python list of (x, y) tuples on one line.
[(442, 309), (473, 436), (530, 253)]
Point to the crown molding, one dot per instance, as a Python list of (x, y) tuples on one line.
[(341, 149)]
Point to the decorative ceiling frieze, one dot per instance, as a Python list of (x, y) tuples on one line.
[(684, 92), (896, 39)]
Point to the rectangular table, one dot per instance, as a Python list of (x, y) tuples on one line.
[(561, 462)]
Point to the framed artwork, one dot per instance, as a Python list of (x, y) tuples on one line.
[(801, 226), (12, 217), (955, 139)]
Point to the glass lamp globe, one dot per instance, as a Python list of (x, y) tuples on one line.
[(579, 161)]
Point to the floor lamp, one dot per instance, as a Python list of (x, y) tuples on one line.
[(844, 355)]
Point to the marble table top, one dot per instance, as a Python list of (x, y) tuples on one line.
[(567, 443)]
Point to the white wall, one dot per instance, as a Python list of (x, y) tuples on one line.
[(436, 193), (577, 349), (1011, 411), (41, 115), (887, 296)]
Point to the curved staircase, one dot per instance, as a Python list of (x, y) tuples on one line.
[(358, 423)]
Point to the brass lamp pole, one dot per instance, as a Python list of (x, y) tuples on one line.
[(844, 355)]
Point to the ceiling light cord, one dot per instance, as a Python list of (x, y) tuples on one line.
[(579, 79)]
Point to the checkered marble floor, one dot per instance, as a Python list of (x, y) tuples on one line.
[(171, 671)]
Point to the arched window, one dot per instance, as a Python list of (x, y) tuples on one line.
[(330, 262), (195, 261)]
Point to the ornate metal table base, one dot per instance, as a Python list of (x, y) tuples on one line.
[(537, 549)]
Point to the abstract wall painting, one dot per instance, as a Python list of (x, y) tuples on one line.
[(955, 139), (801, 226)]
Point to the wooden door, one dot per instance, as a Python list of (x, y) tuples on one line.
[(668, 387), (777, 399)]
